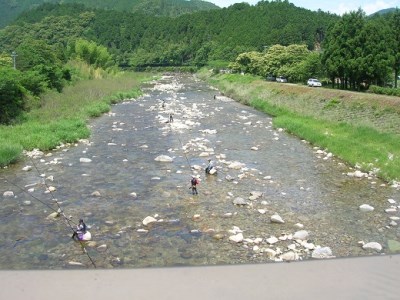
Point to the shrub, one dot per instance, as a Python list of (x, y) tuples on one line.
[(11, 95)]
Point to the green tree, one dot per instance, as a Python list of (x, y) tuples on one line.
[(11, 95), (5, 60), (395, 33)]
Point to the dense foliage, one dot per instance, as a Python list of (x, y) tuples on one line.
[(356, 51), (10, 9), (142, 40), (295, 62), (269, 38)]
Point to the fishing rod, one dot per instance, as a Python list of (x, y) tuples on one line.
[(59, 211)]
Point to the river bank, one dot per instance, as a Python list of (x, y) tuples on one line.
[(62, 117), (362, 129), (275, 197)]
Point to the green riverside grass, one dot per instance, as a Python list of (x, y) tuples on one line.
[(62, 117), (366, 147)]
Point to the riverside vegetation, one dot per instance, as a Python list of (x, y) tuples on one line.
[(61, 117), (361, 129)]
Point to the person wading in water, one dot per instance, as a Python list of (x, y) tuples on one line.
[(194, 182)]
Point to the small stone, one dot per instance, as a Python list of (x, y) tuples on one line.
[(322, 252), (102, 248), (27, 168), (96, 194), (277, 219), (301, 235), (236, 238), (239, 201), (218, 236), (76, 264), (299, 225), (148, 220), (261, 211), (366, 208), (272, 240), (85, 160), (141, 230), (8, 194), (372, 246), (133, 195)]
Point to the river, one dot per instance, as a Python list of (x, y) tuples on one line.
[(121, 183)]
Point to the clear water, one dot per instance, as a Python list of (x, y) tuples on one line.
[(296, 182)]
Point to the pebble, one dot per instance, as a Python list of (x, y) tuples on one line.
[(277, 219)]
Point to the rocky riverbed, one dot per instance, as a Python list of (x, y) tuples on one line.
[(274, 198)]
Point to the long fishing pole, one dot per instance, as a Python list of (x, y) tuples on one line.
[(58, 211)]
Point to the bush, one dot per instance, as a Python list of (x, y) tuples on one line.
[(384, 91), (11, 95)]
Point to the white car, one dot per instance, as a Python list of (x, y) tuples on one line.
[(281, 79), (313, 82)]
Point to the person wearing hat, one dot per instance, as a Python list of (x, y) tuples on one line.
[(80, 230)]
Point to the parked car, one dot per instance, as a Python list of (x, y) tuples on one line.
[(270, 78), (281, 79), (313, 82)]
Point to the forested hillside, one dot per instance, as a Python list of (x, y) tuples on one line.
[(140, 40), (10, 9)]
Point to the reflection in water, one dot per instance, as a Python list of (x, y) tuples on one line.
[(296, 182)]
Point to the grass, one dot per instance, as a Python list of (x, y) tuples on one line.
[(361, 129), (62, 117)]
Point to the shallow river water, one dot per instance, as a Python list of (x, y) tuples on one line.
[(123, 184)]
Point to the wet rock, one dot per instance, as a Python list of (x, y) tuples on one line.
[(269, 252), (272, 240), (76, 264), (196, 217), (236, 238), (54, 215), (372, 246), (229, 178), (218, 236), (239, 201), (236, 165), (50, 189), (357, 174), (96, 194), (85, 160), (391, 210), (148, 220), (366, 208), (277, 219), (8, 194), (164, 158), (301, 235), (255, 195), (235, 230), (289, 256), (322, 252)]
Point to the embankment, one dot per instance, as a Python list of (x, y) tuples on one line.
[(360, 128)]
